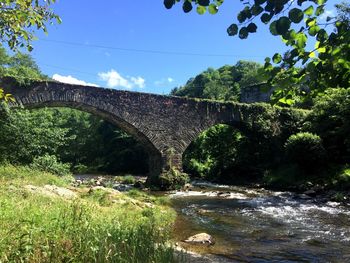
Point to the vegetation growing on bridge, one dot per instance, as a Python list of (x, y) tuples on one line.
[(84, 142), (252, 150), (260, 148), (280, 147)]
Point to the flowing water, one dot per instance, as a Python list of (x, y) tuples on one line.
[(256, 225)]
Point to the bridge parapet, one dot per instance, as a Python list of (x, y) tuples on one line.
[(159, 122)]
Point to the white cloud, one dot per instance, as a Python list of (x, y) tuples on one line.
[(114, 79), (71, 80), (140, 82), (164, 81), (327, 13)]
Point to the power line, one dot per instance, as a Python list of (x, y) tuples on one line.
[(149, 51), (68, 69)]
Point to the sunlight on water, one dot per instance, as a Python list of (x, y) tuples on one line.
[(257, 225)]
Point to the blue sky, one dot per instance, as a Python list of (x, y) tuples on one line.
[(109, 42)]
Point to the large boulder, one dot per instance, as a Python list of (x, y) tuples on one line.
[(52, 191)]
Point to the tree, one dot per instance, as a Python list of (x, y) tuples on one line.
[(224, 83), (327, 65), (25, 135), (20, 17), (21, 66)]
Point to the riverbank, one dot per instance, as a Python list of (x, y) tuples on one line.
[(43, 218)]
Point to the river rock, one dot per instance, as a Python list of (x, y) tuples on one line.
[(122, 187), (61, 191), (202, 238), (304, 196), (187, 187), (311, 193), (139, 185), (224, 194), (52, 191)]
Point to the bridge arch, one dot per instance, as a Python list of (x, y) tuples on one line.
[(46, 96), (163, 124)]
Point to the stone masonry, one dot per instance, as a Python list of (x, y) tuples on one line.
[(165, 125)]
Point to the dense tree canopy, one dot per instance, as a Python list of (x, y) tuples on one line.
[(224, 83), (301, 72), (83, 141)]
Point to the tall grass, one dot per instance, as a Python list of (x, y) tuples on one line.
[(37, 228)]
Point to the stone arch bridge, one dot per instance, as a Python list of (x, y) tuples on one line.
[(165, 125)]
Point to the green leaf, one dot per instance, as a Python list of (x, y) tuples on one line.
[(213, 9), (301, 39), (201, 10), (187, 6), (296, 15), (310, 22), (252, 28), (232, 30), (277, 58), (169, 3), (322, 35), (256, 10), (283, 25), (219, 2), (314, 30), (243, 33), (247, 12), (259, 2), (273, 28), (241, 17), (309, 11), (300, 2), (319, 10), (265, 18), (204, 2)]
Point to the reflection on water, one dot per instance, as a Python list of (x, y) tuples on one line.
[(254, 225)]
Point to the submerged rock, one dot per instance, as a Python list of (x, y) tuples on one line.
[(202, 238)]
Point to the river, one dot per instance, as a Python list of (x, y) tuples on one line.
[(257, 225)]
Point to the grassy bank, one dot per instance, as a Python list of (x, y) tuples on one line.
[(93, 227)]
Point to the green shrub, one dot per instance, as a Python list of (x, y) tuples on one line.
[(49, 163), (341, 178), (28, 175), (80, 169), (198, 168), (306, 150), (128, 179), (284, 177), (173, 179), (330, 119)]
